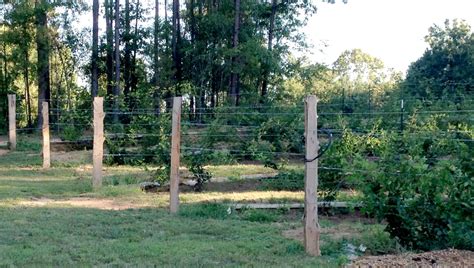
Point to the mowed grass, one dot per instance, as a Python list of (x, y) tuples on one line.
[(204, 233)]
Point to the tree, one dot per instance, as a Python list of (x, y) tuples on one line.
[(362, 78), (269, 47), (95, 49), (234, 76), (156, 56), (42, 44), (176, 46), (117, 60), (110, 45), (445, 69), (128, 51)]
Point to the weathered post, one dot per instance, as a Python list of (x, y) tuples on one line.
[(12, 121), (46, 141), (175, 149), (311, 223), (98, 145)]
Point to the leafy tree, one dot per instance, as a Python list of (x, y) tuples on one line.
[(445, 69)]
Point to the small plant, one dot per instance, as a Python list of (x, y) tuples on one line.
[(256, 215), (71, 133), (196, 166)]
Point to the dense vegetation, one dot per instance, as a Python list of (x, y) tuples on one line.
[(406, 143)]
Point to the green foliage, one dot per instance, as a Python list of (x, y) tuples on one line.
[(291, 180), (258, 215), (71, 133), (196, 163), (445, 69), (26, 143), (208, 210), (426, 198)]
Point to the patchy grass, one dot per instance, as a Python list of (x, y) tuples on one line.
[(235, 171), (54, 218)]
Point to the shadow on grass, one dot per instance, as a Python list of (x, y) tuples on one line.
[(22, 188), (81, 236)]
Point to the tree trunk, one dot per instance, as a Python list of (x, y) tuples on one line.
[(27, 87), (110, 46), (117, 61), (42, 47), (95, 49), (133, 76), (234, 76), (127, 54), (176, 45), (166, 11), (266, 73), (156, 57)]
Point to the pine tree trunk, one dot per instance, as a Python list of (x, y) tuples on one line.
[(127, 54), (95, 49), (270, 47), (42, 47), (175, 43), (110, 46), (133, 75), (156, 51), (234, 76), (117, 61), (27, 87)]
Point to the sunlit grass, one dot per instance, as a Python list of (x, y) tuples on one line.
[(53, 217)]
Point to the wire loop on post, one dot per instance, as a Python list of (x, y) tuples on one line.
[(324, 149)]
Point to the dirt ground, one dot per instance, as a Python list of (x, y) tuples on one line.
[(83, 202), (440, 258)]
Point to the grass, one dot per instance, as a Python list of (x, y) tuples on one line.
[(40, 227)]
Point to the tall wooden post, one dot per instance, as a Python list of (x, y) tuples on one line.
[(98, 146), (12, 121), (311, 223), (45, 131), (175, 149)]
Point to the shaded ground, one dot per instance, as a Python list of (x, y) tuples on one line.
[(441, 258)]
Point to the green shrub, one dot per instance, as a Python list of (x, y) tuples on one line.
[(422, 185), (291, 180)]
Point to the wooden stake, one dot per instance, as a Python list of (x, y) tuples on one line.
[(12, 121), (98, 145), (175, 149), (311, 223), (45, 131)]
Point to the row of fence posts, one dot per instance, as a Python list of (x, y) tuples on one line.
[(311, 222)]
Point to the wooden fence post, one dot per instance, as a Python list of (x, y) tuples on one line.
[(311, 223), (98, 143), (46, 141), (12, 121), (175, 150)]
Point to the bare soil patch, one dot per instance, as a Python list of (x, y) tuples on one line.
[(439, 258), (73, 156), (83, 202), (4, 152)]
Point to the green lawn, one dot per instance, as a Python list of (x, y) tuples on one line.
[(41, 226)]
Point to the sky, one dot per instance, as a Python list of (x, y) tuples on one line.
[(391, 30)]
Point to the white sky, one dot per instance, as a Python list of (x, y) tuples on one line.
[(392, 30)]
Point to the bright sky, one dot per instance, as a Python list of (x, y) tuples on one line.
[(392, 30)]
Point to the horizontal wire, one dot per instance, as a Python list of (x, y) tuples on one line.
[(238, 151)]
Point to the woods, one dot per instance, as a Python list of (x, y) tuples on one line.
[(218, 52)]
